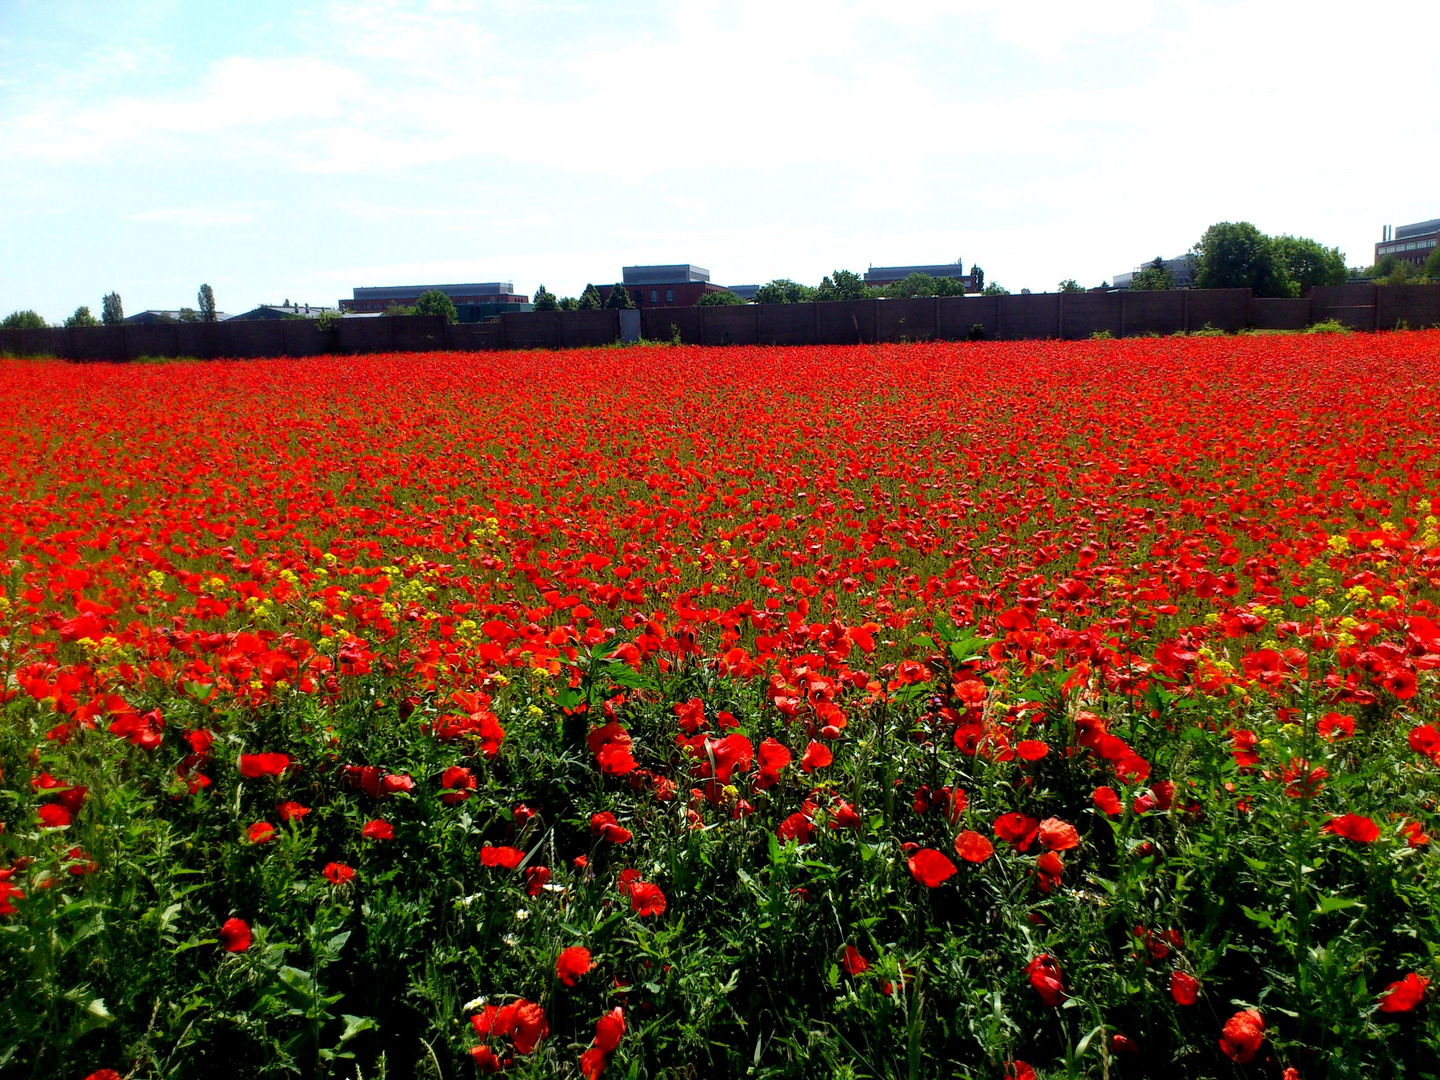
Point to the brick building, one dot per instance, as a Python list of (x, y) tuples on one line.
[(1410, 243), (878, 276), (678, 285), (473, 302)]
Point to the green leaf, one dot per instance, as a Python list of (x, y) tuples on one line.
[(1336, 903)]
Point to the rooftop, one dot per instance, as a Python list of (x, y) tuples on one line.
[(663, 275), (1420, 228), (398, 292), (895, 273)]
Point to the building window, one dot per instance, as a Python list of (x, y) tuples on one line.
[(639, 296), (654, 296), (669, 296)]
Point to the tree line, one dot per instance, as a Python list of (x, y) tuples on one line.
[(112, 313)]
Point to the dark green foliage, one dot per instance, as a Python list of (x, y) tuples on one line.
[(1237, 255), (23, 320), (435, 302), (723, 298), (1070, 285), (545, 300), (844, 285), (112, 312), (1309, 264), (207, 303), (619, 298), (1155, 277), (82, 317), (590, 299), (784, 291)]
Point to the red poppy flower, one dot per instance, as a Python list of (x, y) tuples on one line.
[(53, 815), (1045, 979), (572, 963), (609, 1030), (337, 873), (843, 816), (235, 935), (508, 857), (647, 899), (1354, 827), (1404, 995), (1049, 868), (378, 830), (930, 868), (1184, 988), (592, 1063), (604, 824), (1019, 1070), (972, 847), (1107, 802), (1057, 835), (261, 832), (1242, 1036), (1425, 739), (1017, 830), (536, 878), (773, 757), (798, 826), (458, 782), (530, 1026), (1031, 749), (291, 811), (254, 766), (486, 1063), (853, 962), (817, 756), (104, 1074), (1334, 726)]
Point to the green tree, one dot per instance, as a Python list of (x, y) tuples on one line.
[(1432, 265), (784, 291), (978, 277), (206, 297), (112, 313), (82, 317), (545, 300), (1237, 255), (189, 314), (994, 289), (23, 320), (1308, 263), (844, 285), (435, 302), (913, 285), (590, 299), (1155, 277), (723, 298), (569, 303), (619, 297), (1070, 285)]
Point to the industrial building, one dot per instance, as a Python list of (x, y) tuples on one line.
[(286, 310), (878, 276), (1181, 269), (673, 285), (1409, 243), (473, 302)]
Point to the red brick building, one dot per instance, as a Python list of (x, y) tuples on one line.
[(679, 285), (473, 302), (1410, 243)]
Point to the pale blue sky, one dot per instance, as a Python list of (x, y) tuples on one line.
[(296, 150)]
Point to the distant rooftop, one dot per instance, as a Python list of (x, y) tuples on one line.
[(1420, 228), (663, 275), (886, 274), (400, 292)]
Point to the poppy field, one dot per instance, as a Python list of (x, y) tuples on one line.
[(1006, 710)]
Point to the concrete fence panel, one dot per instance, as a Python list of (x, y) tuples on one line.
[(956, 316), (660, 324), (304, 338), (846, 322), (589, 329), (150, 339), (786, 324), (100, 343), (730, 325), (1033, 315), (472, 337), (1223, 309), (365, 335), (1353, 305), (1082, 315), (1276, 314), (532, 329), (1137, 314), (1416, 306), (417, 333), (912, 319), (54, 341)]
